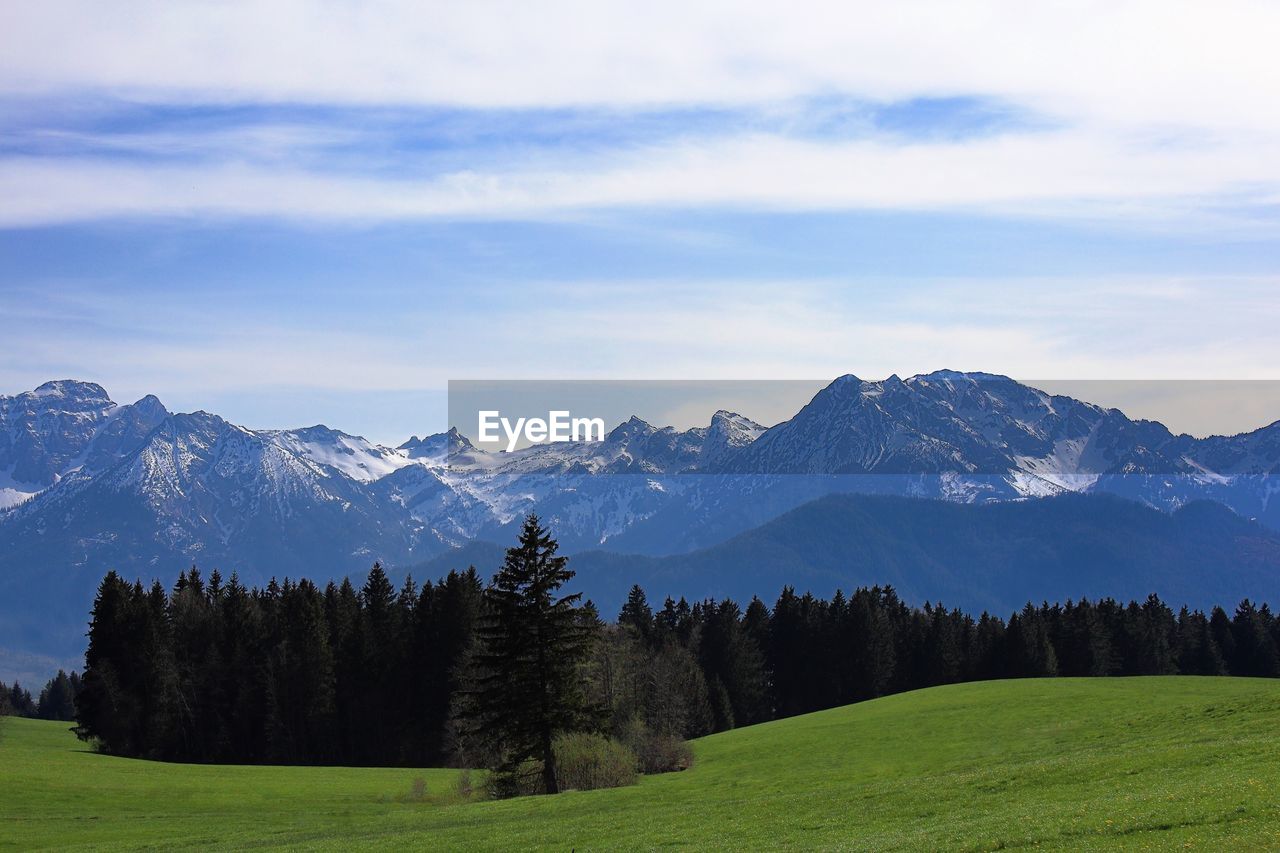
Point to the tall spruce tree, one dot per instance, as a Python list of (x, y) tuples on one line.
[(734, 667), (18, 702), (108, 705), (527, 684), (637, 613), (445, 616), (57, 699)]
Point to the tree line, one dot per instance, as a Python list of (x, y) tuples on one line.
[(460, 671), (56, 701)]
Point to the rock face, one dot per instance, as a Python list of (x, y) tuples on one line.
[(64, 428), (86, 484)]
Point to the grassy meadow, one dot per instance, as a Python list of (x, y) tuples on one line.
[(1139, 763)]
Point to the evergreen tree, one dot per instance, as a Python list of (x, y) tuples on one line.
[(756, 622), (241, 675), (1149, 644), (943, 646), (666, 621), (637, 613), (300, 698), (446, 617), (379, 656), (1030, 652), (984, 658), (19, 703), (1083, 641), (866, 638), (1223, 637), (1254, 649), (733, 665), (57, 699), (787, 651), (346, 632), (528, 668), (109, 705), (1197, 652)]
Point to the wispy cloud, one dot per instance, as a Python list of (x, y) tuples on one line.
[(220, 200), (1138, 111), (1174, 63), (1060, 173), (1155, 327)]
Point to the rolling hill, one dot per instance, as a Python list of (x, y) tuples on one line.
[(1058, 763)]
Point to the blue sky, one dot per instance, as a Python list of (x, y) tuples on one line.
[(323, 212)]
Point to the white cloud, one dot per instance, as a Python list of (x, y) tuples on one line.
[(1068, 172), (1098, 328), (1153, 112), (1161, 107), (1164, 61), (1091, 328)]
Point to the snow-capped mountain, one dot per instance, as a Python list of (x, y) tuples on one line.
[(64, 428), (963, 436), (968, 437), (91, 485), (350, 455), (728, 432), (982, 436)]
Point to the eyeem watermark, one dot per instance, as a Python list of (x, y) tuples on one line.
[(557, 426)]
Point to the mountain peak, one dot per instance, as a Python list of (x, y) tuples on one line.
[(634, 426), (150, 404), (438, 446), (960, 376), (67, 395), (72, 388), (47, 433), (728, 431), (456, 441), (732, 421)]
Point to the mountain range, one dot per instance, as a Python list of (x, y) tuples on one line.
[(87, 484)]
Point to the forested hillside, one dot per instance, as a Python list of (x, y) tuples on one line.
[(293, 673)]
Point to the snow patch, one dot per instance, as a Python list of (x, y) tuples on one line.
[(350, 455)]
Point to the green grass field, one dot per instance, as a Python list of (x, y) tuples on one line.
[(1144, 763)]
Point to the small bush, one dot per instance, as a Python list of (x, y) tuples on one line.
[(522, 781), (657, 753), (586, 761), (665, 754)]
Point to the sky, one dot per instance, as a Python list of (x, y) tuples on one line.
[(304, 212)]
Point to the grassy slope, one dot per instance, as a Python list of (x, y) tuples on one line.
[(1135, 762)]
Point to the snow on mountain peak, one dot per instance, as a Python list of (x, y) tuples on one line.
[(728, 431), (437, 449), (353, 456), (960, 436), (61, 427), (72, 389), (630, 428)]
